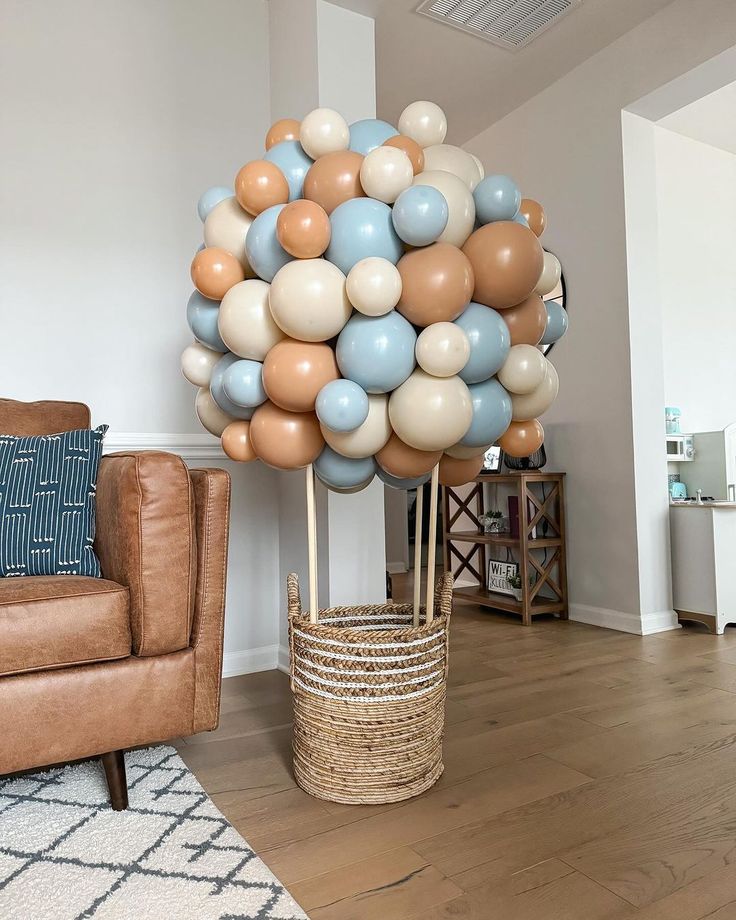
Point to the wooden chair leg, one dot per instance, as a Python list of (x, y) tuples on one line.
[(114, 764)]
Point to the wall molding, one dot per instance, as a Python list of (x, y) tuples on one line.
[(198, 446), (284, 659), (620, 620), (251, 660)]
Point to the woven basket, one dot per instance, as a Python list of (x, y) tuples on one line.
[(369, 698)]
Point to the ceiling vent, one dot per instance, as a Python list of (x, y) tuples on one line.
[(510, 24)]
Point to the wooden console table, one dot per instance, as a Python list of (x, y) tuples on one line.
[(539, 548)]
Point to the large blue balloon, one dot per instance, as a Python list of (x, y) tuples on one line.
[(242, 383), (293, 162), (520, 219), (402, 484), (557, 322), (496, 198), (265, 254), (491, 413), (362, 227), (420, 215), (489, 339), (342, 405), (369, 133), (212, 197), (377, 352), (218, 391), (202, 316), (338, 472)]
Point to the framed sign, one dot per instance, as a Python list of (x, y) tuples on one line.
[(499, 574), (492, 460)]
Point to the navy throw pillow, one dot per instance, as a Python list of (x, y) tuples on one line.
[(47, 503)]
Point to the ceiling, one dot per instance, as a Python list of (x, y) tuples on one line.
[(475, 82), (710, 120)]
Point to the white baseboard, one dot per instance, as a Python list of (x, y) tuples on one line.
[(196, 446), (622, 621), (283, 659), (396, 568), (250, 660)]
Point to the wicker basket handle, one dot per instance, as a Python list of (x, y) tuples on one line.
[(443, 594), (294, 601)]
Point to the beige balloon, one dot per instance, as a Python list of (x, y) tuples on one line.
[(323, 131), (532, 405), (458, 452), (369, 437), (374, 286), (226, 227), (442, 349), (550, 277), (460, 204), (430, 413), (455, 160), (210, 415), (424, 122), (481, 167), (245, 322), (308, 300), (385, 173), (197, 362), (524, 369)]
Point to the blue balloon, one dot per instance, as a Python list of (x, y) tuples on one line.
[(218, 391), (395, 483), (489, 339), (420, 215), (213, 196), (496, 198), (242, 383), (362, 227), (557, 322), (202, 314), (369, 133), (293, 162), (520, 219), (491, 413), (265, 254), (342, 405), (338, 472), (377, 352)]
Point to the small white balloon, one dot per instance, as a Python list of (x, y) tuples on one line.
[(431, 413), (197, 362), (460, 204), (245, 322), (210, 415), (524, 369), (550, 277), (442, 349), (424, 122), (536, 403), (454, 160), (367, 439), (481, 168), (308, 300), (374, 286), (385, 173), (226, 227), (324, 131)]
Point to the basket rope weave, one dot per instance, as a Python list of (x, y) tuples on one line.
[(369, 698)]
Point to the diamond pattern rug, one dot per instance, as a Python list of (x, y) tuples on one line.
[(65, 855)]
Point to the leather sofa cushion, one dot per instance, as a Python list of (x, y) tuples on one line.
[(55, 621), (44, 417)]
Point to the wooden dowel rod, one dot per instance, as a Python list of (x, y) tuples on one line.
[(418, 553), (311, 545), (432, 547)]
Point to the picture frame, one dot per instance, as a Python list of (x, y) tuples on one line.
[(492, 461)]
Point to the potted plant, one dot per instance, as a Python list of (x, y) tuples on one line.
[(515, 584), (491, 522)]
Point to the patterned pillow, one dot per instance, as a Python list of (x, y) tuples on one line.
[(47, 503)]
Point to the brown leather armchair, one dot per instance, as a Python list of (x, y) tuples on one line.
[(90, 667)]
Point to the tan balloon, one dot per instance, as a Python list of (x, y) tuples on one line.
[(430, 413), (437, 284), (398, 459), (334, 178), (285, 440), (294, 373), (236, 442), (373, 286), (550, 275), (369, 437), (308, 300), (522, 439), (323, 131), (385, 173), (454, 160), (524, 369), (210, 415), (460, 204), (245, 322), (459, 452), (424, 122), (443, 349), (285, 129), (303, 229), (455, 472), (410, 148), (532, 405), (534, 213), (226, 227), (507, 261), (527, 321), (260, 185), (214, 271), (197, 362)]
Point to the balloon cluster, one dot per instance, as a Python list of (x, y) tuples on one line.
[(368, 302)]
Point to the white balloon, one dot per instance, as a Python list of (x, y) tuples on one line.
[(459, 452), (210, 415), (442, 349), (424, 122), (460, 204), (430, 413), (226, 226), (454, 160), (323, 131), (367, 439), (550, 277), (245, 322), (374, 286), (385, 173), (536, 403), (481, 168), (197, 362), (524, 369), (308, 300)]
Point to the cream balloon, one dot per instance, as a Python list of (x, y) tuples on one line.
[(481, 168), (308, 300), (458, 452), (197, 362), (524, 369), (210, 415), (424, 122), (454, 160), (323, 131), (245, 322), (430, 413), (532, 405), (226, 227), (374, 286), (460, 204), (442, 349), (550, 277), (385, 173), (367, 439)]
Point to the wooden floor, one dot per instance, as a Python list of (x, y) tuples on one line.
[(589, 774)]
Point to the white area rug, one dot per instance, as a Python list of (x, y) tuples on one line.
[(66, 855)]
